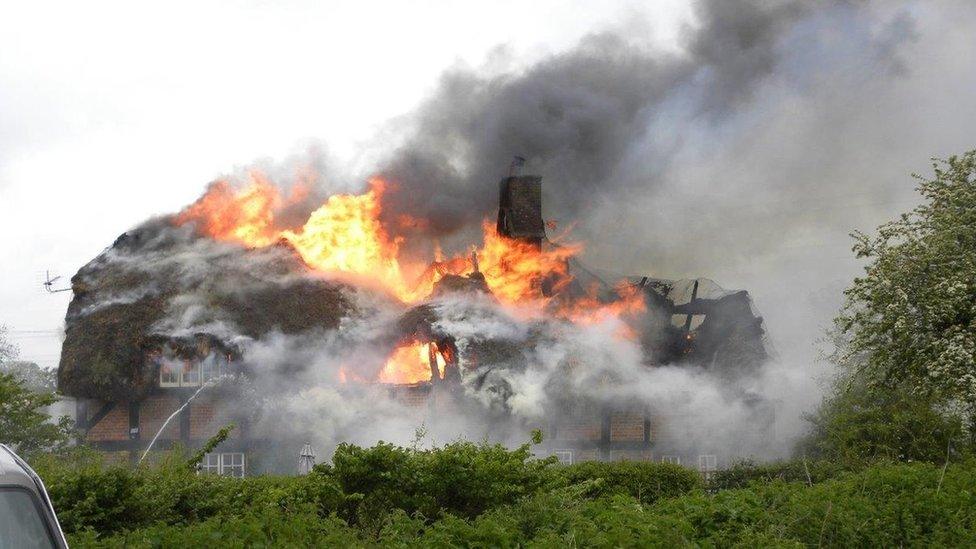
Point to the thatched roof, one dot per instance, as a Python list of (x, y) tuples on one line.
[(158, 286)]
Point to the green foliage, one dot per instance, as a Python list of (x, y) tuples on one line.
[(33, 377), (859, 426), (644, 481), (23, 422), (210, 445), (93, 496), (882, 506), (743, 473), (261, 528), (911, 319), (906, 338), (8, 351), (461, 478), (528, 503)]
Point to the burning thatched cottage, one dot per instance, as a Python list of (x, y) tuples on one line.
[(201, 322)]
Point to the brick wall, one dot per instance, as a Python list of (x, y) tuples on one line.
[(631, 455), (153, 412), (116, 458), (207, 417), (626, 426), (413, 396), (583, 428), (586, 455), (202, 424), (114, 426)]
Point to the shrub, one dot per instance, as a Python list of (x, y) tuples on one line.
[(742, 473), (461, 478), (858, 426), (596, 505), (645, 481), (258, 528), (884, 505)]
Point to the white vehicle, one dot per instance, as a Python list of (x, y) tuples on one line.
[(27, 519)]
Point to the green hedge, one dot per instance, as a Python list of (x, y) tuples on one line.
[(884, 505), (485, 495), (645, 481), (741, 474), (460, 478)]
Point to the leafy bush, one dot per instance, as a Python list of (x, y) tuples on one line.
[(23, 422), (460, 478), (258, 528), (90, 495), (858, 426), (883, 505), (481, 495), (741, 474), (645, 481)]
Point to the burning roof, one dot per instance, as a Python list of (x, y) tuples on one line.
[(160, 288), (227, 271)]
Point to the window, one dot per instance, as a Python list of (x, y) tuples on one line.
[(676, 460), (210, 465), (707, 463), (232, 465), (190, 376), (228, 464), (175, 373), (212, 367), (169, 374), (564, 456), (21, 522)]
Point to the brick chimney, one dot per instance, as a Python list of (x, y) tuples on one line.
[(520, 208)]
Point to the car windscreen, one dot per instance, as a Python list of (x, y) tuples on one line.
[(21, 522)]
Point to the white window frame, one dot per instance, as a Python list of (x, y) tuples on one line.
[(564, 456), (190, 373), (190, 369), (212, 368), (210, 464), (674, 460), (232, 464), (227, 464), (707, 463), (169, 371)]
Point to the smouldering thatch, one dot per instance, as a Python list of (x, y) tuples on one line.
[(159, 288)]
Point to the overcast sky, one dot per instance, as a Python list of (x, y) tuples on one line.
[(113, 112)]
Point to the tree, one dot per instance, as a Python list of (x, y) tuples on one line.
[(23, 420), (31, 375), (910, 321), (24, 423), (8, 351)]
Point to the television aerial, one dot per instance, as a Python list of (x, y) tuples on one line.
[(49, 284)]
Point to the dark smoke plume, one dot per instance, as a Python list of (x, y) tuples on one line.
[(575, 116)]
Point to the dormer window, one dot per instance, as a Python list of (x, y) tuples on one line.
[(169, 374), (175, 373)]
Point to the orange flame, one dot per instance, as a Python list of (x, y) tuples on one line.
[(516, 271), (410, 363), (346, 235), (245, 216)]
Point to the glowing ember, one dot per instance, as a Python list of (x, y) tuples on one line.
[(411, 364)]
